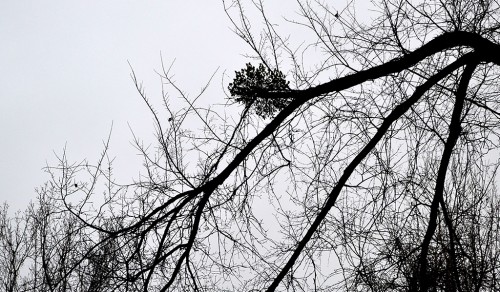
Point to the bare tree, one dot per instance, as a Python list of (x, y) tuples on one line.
[(16, 247), (360, 157)]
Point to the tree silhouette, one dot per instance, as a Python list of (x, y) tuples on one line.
[(364, 158)]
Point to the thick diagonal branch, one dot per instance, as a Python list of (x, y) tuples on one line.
[(391, 118), (446, 41)]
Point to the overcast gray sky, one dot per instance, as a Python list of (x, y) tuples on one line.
[(65, 79)]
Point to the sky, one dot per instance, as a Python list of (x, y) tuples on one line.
[(65, 78)]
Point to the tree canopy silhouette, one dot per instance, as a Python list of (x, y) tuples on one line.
[(362, 156)]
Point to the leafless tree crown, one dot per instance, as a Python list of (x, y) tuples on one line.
[(357, 151)]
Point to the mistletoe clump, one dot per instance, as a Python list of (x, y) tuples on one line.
[(251, 85)]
